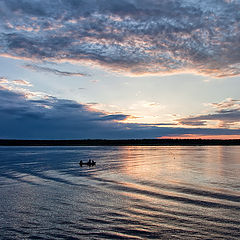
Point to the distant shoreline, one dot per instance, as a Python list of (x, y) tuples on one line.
[(126, 142)]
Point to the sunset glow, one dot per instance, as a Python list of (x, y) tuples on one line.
[(194, 136)]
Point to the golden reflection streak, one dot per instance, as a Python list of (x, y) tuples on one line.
[(169, 168), (162, 161)]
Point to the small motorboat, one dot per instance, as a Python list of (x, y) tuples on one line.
[(90, 163)]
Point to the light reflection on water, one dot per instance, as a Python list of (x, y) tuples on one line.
[(132, 193)]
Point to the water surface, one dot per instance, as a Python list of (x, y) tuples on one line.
[(132, 193)]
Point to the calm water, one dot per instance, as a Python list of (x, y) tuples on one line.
[(132, 193)]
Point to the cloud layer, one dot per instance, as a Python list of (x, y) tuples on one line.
[(26, 115), (227, 115), (134, 36), (54, 71), (49, 117)]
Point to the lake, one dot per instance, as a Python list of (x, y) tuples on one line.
[(140, 192)]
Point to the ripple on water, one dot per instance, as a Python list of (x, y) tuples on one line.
[(132, 193)]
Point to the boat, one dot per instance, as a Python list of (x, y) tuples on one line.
[(90, 163)]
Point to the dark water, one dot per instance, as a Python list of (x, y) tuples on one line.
[(132, 193)]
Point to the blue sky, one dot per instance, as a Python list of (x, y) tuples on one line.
[(72, 69)]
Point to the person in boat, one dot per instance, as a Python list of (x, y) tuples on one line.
[(89, 163)]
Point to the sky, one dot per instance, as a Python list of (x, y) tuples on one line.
[(110, 69)]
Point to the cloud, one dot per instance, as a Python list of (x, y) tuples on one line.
[(3, 80), (54, 71), (22, 82), (228, 105), (47, 117), (131, 36), (17, 86), (227, 114)]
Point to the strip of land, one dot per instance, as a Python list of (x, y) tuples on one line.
[(127, 142)]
